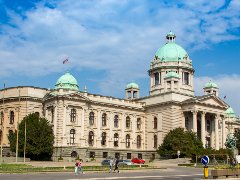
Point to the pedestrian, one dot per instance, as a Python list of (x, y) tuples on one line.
[(110, 165), (116, 165), (80, 167), (76, 168)]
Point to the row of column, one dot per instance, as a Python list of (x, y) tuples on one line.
[(203, 128)]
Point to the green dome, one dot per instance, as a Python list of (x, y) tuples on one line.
[(132, 85), (210, 84), (172, 74), (230, 112), (171, 52), (67, 81)]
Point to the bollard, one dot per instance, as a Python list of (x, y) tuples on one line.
[(205, 172)]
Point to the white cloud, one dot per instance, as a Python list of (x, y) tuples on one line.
[(229, 86)]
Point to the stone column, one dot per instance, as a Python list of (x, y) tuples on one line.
[(223, 133), (64, 120), (216, 132), (194, 121), (172, 84), (203, 130)]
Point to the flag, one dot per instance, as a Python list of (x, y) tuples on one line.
[(65, 61), (224, 97)]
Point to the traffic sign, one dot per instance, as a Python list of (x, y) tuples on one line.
[(178, 153), (205, 160)]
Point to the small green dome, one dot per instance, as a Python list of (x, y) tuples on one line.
[(172, 74), (210, 84), (171, 52), (230, 112), (67, 81), (132, 85)]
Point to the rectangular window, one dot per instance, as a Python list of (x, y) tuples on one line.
[(105, 154), (186, 78), (92, 154), (117, 155), (140, 155), (129, 155), (156, 78)]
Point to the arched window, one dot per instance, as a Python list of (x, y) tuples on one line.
[(91, 118), (72, 136), (104, 119), (155, 123), (11, 117), (138, 141), (74, 154), (104, 137), (138, 123), (116, 140), (116, 121), (127, 122), (73, 115), (90, 138), (155, 141), (128, 141)]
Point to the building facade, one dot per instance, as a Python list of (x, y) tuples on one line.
[(93, 126)]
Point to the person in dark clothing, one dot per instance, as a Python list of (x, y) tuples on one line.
[(116, 165)]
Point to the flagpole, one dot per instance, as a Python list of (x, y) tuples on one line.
[(25, 135), (2, 125), (18, 125)]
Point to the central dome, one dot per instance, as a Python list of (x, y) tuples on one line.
[(67, 81), (171, 51)]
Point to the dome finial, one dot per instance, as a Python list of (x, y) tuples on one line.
[(171, 37)]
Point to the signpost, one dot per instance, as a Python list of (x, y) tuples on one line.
[(205, 161), (178, 154)]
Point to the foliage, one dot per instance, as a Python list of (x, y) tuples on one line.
[(39, 138), (237, 135), (186, 142)]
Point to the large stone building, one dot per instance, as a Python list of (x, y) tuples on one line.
[(90, 125)]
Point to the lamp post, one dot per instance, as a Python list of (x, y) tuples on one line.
[(25, 135), (2, 125), (17, 125)]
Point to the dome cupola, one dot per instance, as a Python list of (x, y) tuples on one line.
[(132, 85), (230, 113), (67, 81), (210, 84)]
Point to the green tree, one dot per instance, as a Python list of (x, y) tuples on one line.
[(186, 142), (39, 138)]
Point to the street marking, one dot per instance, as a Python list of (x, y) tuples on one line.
[(137, 177)]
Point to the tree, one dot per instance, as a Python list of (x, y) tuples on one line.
[(186, 142), (39, 138)]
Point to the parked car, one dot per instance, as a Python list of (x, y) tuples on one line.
[(125, 162), (138, 161), (105, 162)]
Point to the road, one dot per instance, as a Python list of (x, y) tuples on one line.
[(169, 173)]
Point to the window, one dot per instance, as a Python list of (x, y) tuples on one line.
[(74, 154), (117, 155), (127, 122), (116, 140), (90, 138), (155, 123), (138, 141), (208, 125), (73, 115), (91, 118), (72, 136), (186, 78), (92, 154), (155, 141), (104, 136), (11, 117), (128, 141), (1, 118), (52, 115), (187, 123), (105, 154), (38, 114), (116, 121), (138, 123), (139, 156), (104, 119), (129, 156), (156, 78)]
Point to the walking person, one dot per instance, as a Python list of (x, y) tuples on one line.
[(110, 165), (76, 168), (80, 167), (116, 165)]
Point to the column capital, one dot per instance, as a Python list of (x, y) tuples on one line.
[(203, 113), (194, 112)]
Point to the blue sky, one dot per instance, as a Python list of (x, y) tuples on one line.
[(110, 43)]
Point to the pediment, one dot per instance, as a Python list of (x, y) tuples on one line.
[(212, 100), (77, 96)]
